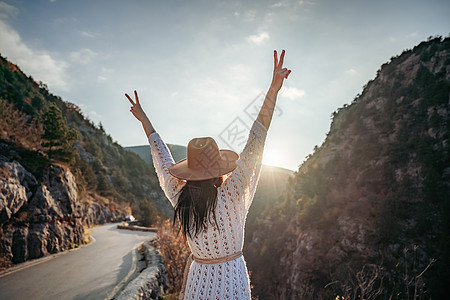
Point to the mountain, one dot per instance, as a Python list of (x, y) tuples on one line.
[(272, 182), (59, 172), (367, 215), (178, 152)]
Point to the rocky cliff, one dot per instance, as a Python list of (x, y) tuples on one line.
[(367, 214), (40, 217), (60, 172)]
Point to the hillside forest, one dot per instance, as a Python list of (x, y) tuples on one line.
[(367, 214)]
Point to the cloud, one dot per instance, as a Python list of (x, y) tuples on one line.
[(292, 92), (249, 16), (291, 4), (304, 3), (83, 56), (7, 10), (268, 18), (65, 20), (40, 65), (277, 5), (104, 74), (87, 34), (259, 39)]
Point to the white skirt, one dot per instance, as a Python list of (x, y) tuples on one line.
[(228, 280)]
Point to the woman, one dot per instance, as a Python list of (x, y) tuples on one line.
[(211, 206)]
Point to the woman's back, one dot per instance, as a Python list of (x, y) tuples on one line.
[(233, 200), (226, 280)]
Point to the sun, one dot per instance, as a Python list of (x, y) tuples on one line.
[(272, 158)]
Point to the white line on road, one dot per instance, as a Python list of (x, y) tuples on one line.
[(40, 260)]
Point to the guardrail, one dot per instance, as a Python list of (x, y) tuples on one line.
[(138, 228)]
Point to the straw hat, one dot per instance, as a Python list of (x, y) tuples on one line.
[(204, 161)]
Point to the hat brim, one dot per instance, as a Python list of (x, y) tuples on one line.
[(224, 165)]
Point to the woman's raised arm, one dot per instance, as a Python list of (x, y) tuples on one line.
[(139, 113), (161, 156), (279, 74)]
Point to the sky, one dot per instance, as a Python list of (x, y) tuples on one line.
[(201, 68)]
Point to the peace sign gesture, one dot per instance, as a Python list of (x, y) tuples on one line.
[(136, 108), (279, 73)]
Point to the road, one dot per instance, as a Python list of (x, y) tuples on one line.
[(87, 273)]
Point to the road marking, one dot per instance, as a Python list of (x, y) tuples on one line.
[(41, 260), (121, 284)]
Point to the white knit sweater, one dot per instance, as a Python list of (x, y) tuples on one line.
[(227, 280)]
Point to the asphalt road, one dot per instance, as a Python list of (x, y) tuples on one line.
[(91, 272)]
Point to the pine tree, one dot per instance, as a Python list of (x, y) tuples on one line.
[(58, 139)]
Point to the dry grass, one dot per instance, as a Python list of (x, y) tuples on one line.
[(175, 251), (87, 234), (15, 127)]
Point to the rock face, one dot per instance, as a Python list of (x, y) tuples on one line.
[(368, 212), (14, 193), (40, 218), (95, 214)]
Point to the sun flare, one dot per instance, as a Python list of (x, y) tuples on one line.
[(272, 158)]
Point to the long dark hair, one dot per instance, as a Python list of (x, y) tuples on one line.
[(196, 205)]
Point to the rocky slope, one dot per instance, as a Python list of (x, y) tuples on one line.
[(51, 221), (40, 217), (60, 172), (367, 214)]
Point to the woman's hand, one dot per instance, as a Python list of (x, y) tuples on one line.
[(139, 113), (279, 73), (136, 108)]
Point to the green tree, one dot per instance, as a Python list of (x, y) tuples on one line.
[(148, 212), (58, 139)]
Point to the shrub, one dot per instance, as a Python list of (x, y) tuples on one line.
[(148, 212), (14, 126), (175, 251)]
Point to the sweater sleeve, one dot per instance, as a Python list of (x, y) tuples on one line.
[(162, 160), (249, 164)]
